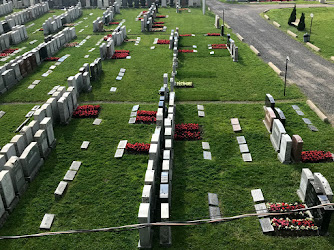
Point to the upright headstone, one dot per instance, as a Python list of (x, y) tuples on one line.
[(284, 155), (145, 234), (297, 148), (7, 190), (46, 124), (31, 161), (278, 131), (306, 177), (269, 101), (13, 165)]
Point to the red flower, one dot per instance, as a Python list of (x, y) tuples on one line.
[(160, 17), (316, 156), (189, 131), (213, 34), (219, 46), (186, 35), (87, 111), (186, 51), (161, 41), (138, 148)]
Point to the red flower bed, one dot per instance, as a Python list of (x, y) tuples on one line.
[(146, 113), (157, 26), (161, 41), (219, 46), (146, 119), (138, 148), (111, 23), (140, 18), (51, 59), (158, 22), (316, 156), (107, 36), (7, 52), (213, 34), (186, 51), (186, 35), (121, 54), (87, 111), (160, 17), (187, 132), (283, 207), (293, 224)]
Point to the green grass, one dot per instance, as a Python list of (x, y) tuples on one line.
[(321, 26), (107, 192), (283, 2)]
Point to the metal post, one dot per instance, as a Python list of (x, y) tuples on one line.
[(311, 24), (286, 72), (223, 16)]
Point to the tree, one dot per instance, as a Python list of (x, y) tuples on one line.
[(293, 15), (301, 24)]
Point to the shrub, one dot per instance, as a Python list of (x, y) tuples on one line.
[(293, 15), (301, 24)]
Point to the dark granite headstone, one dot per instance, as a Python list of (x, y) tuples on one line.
[(269, 101), (280, 115)]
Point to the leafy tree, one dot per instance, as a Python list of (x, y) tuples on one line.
[(301, 24), (293, 15)]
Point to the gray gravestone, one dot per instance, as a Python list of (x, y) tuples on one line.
[(14, 167), (31, 161), (69, 176), (213, 199), (6, 189), (75, 165), (61, 189), (47, 221), (257, 195)]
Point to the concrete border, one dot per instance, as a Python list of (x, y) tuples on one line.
[(321, 115), (276, 24), (254, 50), (240, 37), (312, 46), (291, 33), (266, 17), (227, 26), (277, 70)]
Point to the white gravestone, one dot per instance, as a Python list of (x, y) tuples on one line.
[(16, 172), (324, 185), (306, 177), (284, 155), (6, 188), (277, 131), (8, 151), (145, 239), (46, 124), (31, 161), (41, 138), (19, 143)]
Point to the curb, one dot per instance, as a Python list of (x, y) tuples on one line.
[(317, 111), (277, 70)]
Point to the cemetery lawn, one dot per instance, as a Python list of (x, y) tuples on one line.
[(107, 192), (322, 26)]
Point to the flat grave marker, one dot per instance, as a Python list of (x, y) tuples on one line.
[(84, 144), (257, 195), (243, 148), (207, 155), (119, 153), (205, 145), (201, 114), (213, 199), (307, 121), (75, 165), (247, 157), (47, 221), (132, 120), (69, 176), (61, 189), (241, 139)]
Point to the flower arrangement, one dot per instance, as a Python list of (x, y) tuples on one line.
[(51, 59), (316, 156), (112, 23), (68, 45), (283, 207), (87, 111), (161, 41), (160, 16), (146, 113), (186, 35), (158, 22), (7, 52), (213, 34), (107, 36), (147, 117), (157, 26), (186, 51), (187, 132), (219, 46), (293, 224), (121, 54), (184, 84), (138, 148)]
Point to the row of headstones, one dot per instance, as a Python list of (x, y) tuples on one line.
[(6, 8), (25, 3), (173, 44), (160, 164), (55, 23), (87, 73), (148, 18), (107, 50), (20, 161), (232, 48), (275, 121), (24, 16), (107, 17), (21, 66), (17, 35)]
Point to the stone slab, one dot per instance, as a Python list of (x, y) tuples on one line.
[(201, 114), (213, 199), (214, 212), (200, 107), (69, 176), (266, 225), (122, 144), (241, 139), (307, 121), (207, 155), (61, 189), (97, 121), (235, 121), (243, 148), (119, 153), (47, 221), (132, 120), (236, 128), (205, 146), (295, 107), (135, 108), (75, 165), (260, 209), (84, 145), (247, 157), (113, 89), (313, 128), (257, 195), (2, 113)]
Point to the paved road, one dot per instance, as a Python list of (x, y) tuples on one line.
[(313, 74)]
